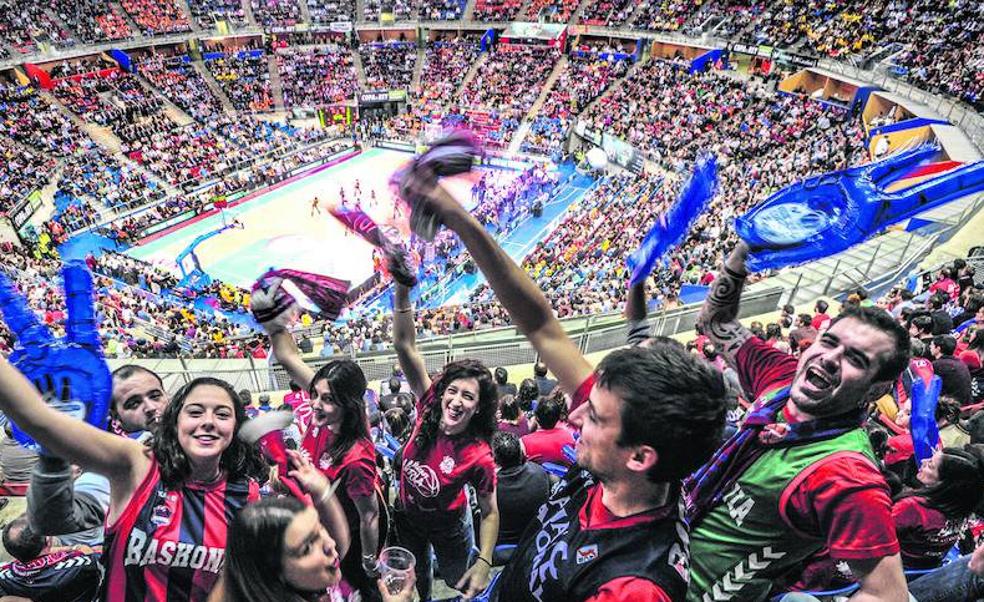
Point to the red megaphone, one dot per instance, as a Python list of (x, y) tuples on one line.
[(268, 432)]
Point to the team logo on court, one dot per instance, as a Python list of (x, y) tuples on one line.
[(447, 464), (587, 553)]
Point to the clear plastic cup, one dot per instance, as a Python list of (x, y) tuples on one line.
[(396, 568)]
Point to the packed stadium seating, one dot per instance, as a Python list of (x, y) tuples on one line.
[(245, 79), (317, 77), (388, 65)]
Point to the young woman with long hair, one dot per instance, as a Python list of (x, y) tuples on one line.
[(170, 503), (930, 520), (449, 448), (340, 446)]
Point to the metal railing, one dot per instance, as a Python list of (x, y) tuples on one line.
[(591, 334)]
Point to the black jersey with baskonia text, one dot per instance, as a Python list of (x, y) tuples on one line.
[(64, 576)]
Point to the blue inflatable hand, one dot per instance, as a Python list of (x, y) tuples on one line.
[(671, 228), (832, 212), (922, 421), (71, 372)]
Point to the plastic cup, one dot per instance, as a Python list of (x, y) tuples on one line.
[(396, 568)]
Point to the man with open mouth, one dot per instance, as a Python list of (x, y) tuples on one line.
[(800, 474)]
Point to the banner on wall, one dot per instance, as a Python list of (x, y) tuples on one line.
[(23, 211), (623, 153), (340, 26)]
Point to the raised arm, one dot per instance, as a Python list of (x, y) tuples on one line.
[(405, 342), (120, 459), (286, 351), (719, 315), (529, 309)]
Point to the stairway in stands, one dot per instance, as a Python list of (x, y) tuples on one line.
[(548, 85), (214, 87), (276, 85)]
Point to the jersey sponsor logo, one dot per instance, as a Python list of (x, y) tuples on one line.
[(142, 550), (447, 465), (587, 553), (738, 577), (422, 478), (550, 547)]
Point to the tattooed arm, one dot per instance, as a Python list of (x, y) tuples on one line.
[(719, 316)]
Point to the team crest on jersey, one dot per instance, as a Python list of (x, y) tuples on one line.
[(161, 515), (325, 462), (447, 465), (586, 554)]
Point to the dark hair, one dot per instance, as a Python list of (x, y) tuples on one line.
[(347, 384), (547, 412), (508, 408), (881, 320), (804, 319), (670, 401), (945, 343), (394, 385), (961, 485), (240, 460), (789, 309), (937, 300), (482, 423), (539, 369), (294, 386), (773, 331), (501, 376), (398, 423), (506, 450), (246, 396), (126, 371), (254, 552), (922, 321), (948, 410), (22, 542), (527, 394), (821, 306)]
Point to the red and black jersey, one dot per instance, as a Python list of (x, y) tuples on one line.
[(170, 545), (560, 559), (63, 576)]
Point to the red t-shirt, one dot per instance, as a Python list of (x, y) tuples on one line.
[(357, 469), (434, 480), (548, 445), (925, 534), (820, 322), (843, 498)]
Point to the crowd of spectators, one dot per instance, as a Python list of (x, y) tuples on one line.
[(245, 79), (664, 15), (608, 13), (497, 10), (553, 11), (156, 17), (402, 10), (92, 20), (96, 183), (318, 76), (208, 12), (22, 171), (505, 87), (276, 13), (446, 62), (441, 10), (584, 79), (24, 24), (330, 11), (181, 83), (388, 65), (28, 118)]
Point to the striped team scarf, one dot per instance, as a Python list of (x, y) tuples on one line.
[(706, 488)]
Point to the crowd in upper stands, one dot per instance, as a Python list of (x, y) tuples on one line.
[(388, 65), (317, 77), (245, 79)]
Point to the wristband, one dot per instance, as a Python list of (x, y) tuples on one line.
[(484, 560)]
